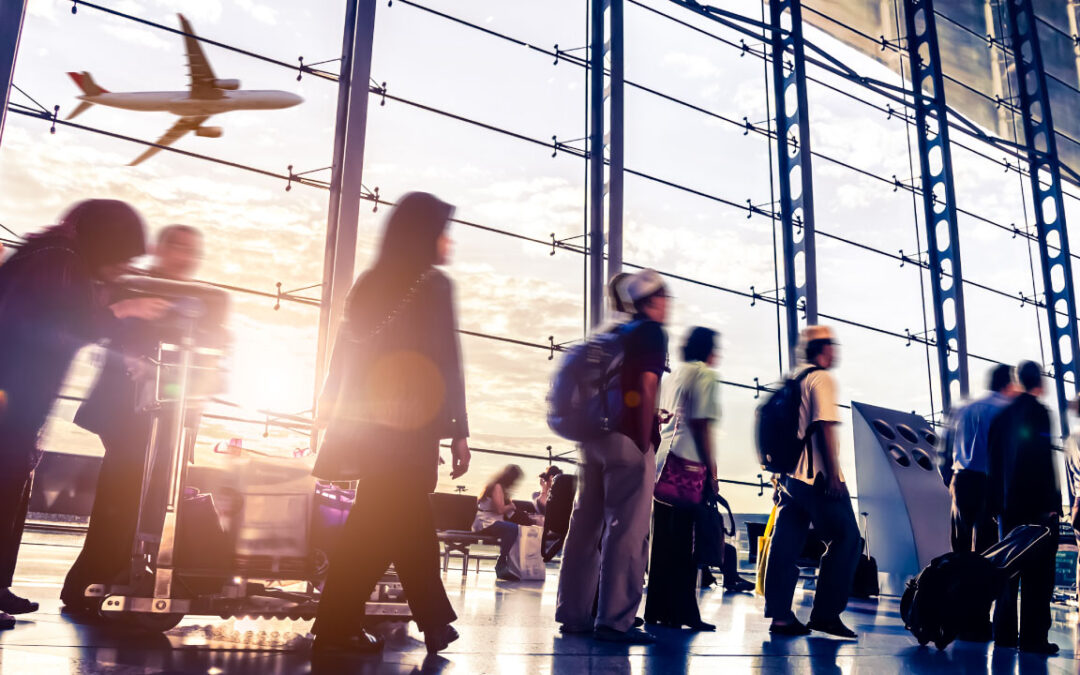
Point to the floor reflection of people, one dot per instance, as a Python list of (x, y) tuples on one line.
[(50, 307), (110, 411)]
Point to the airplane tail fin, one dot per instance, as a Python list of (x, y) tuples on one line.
[(85, 82), (80, 109)]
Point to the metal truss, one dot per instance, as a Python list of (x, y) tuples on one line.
[(1047, 202), (794, 159), (938, 197)]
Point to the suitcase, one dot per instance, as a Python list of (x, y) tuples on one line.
[(865, 585), (956, 589)]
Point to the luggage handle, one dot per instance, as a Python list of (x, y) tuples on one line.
[(1012, 566), (866, 532)]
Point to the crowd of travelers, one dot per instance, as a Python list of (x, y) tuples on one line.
[(648, 489)]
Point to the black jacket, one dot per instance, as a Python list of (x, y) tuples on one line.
[(1023, 480), (405, 381)]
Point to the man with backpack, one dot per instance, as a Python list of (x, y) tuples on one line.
[(606, 546), (813, 492), (1024, 490)]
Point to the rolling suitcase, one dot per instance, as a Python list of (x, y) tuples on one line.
[(956, 589), (865, 585)]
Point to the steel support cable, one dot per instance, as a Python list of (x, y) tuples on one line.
[(956, 120), (176, 31), (772, 200)]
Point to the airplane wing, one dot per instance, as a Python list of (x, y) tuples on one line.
[(175, 132), (202, 76)]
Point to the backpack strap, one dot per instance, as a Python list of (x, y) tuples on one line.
[(809, 436)]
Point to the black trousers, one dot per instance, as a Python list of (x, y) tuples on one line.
[(672, 569), (971, 523), (14, 500), (1035, 586), (106, 552), (390, 522)]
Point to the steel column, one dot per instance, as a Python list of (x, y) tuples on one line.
[(615, 142), (938, 197), (596, 163), (346, 173), (795, 177), (11, 22), (1045, 167)]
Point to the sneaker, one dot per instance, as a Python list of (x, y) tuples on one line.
[(1044, 648), (440, 638), (634, 636), (835, 627), (795, 628)]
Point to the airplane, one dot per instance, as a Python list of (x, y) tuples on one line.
[(207, 95)]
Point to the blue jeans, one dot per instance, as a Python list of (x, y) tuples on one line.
[(507, 533)]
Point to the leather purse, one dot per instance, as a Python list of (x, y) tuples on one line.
[(681, 481)]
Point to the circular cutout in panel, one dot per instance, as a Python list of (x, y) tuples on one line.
[(930, 437), (923, 459), (899, 455), (907, 433), (883, 428)]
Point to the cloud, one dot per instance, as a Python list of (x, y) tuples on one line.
[(195, 10), (260, 12), (137, 35)]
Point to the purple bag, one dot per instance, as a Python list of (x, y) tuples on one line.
[(681, 482)]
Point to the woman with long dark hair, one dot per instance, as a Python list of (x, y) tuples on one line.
[(394, 389), (52, 303), (494, 511), (686, 447)]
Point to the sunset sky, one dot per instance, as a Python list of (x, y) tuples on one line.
[(258, 234)]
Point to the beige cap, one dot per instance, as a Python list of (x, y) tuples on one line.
[(643, 284), (811, 334)]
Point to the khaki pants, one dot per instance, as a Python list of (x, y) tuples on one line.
[(606, 547)]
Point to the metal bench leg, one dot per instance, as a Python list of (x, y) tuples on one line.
[(445, 558), (465, 562)]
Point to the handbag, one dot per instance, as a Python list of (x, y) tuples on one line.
[(681, 481), (351, 439)]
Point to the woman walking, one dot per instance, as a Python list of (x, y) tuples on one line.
[(394, 389), (688, 458)]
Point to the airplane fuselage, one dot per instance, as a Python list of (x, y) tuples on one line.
[(181, 103)]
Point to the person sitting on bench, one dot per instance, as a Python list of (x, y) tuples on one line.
[(494, 512)]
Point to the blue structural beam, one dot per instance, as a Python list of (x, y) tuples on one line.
[(795, 177), (596, 162), (1045, 172), (938, 197)]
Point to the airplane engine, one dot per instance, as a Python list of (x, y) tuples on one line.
[(227, 84), (210, 132)]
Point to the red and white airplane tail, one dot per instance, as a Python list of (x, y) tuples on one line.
[(85, 82)]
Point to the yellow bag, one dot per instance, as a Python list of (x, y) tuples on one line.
[(763, 552)]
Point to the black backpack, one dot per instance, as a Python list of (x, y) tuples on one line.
[(777, 433)]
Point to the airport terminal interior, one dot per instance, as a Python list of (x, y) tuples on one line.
[(230, 229)]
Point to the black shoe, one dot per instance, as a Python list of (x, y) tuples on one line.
[(440, 638), (567, 629), (1044, 648), (6, 621), (13, 604), (707, 579), (740, 585), (701, 627), (364, 643), (794, 629), (634, 636), (835, 627), (638, 622)]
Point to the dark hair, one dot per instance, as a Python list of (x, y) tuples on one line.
[(103, 231), (170, 231), (1029, 375), (699, 344), (815, 347), (614, 296), (1000, 377), (408, 249), (510, 474), (551, 472)]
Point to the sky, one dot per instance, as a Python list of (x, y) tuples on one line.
[(259, 234)]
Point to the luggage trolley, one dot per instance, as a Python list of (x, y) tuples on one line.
[(169, 577)]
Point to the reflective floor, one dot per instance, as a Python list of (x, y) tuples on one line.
[(505, 628)]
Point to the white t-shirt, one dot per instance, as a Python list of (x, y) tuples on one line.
[(818, 405), (690, 393)]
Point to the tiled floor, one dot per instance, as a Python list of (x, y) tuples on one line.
[(506, 628)]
